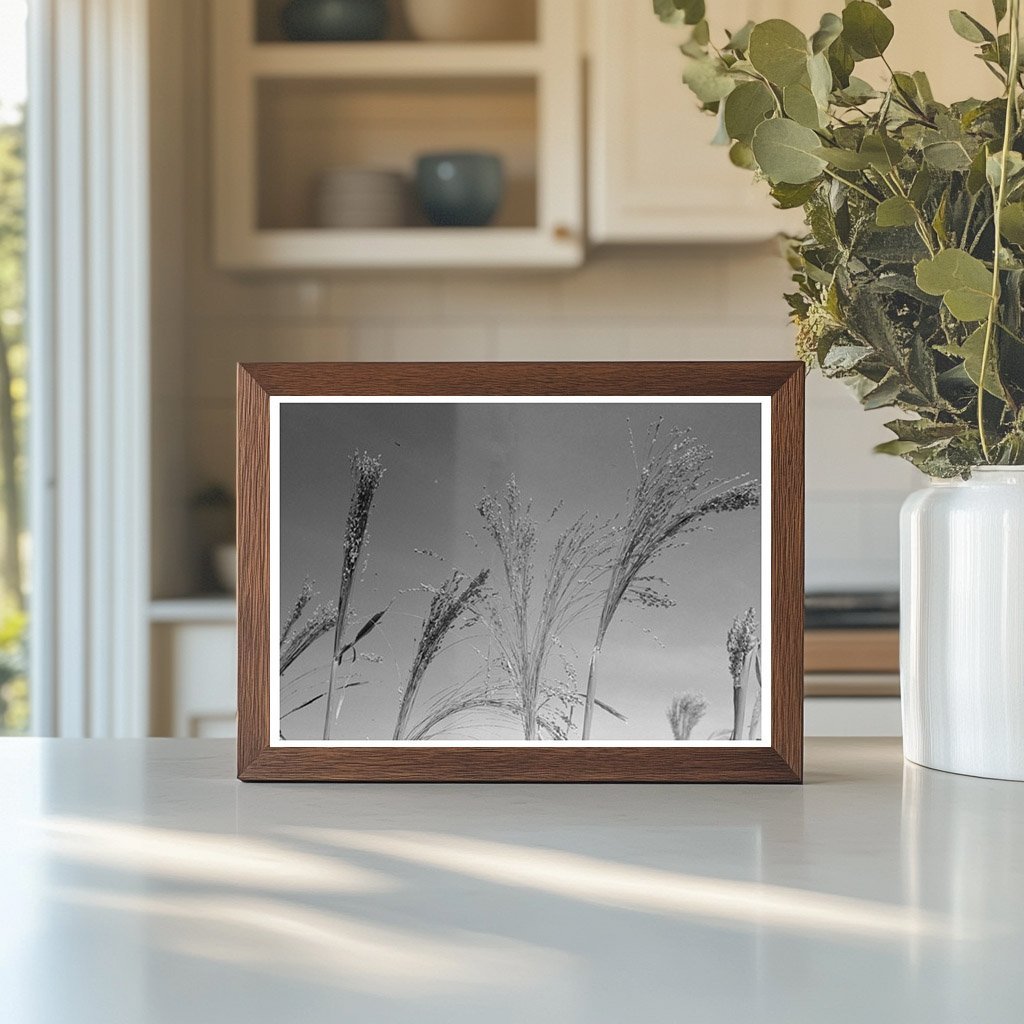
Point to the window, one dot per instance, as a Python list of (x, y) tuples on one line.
[(14, 547)]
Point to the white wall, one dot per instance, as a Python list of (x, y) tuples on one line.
[(701, 303)]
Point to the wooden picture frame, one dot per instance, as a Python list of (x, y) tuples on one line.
[(778, 757)]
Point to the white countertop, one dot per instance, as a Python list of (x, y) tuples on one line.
[(143, 885)]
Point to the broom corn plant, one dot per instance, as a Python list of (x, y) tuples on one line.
[(300, 638), (685, 712), (672, 496), (367, 471), (455, 599), (910, 276), (592, 567), (527, 631), (742, 645)]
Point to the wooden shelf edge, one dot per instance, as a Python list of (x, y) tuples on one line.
[(852, 650), (851, 684), (392, 60), (401, 248)]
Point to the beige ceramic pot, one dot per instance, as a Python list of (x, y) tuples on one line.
[(470, 20)]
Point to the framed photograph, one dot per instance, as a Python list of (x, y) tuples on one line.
[(521, 572)]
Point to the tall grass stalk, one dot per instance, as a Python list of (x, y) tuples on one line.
[(299, 639), (754, 732), (305, 596), (673, 495), (741, 644), (447, 606), (685, 712), (462, 701), (527, 630), (367, 471)]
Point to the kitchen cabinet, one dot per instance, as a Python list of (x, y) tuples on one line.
[(653, 175), (286, 113), (192, 648)]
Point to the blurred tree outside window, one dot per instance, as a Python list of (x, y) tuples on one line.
[(14, 545)]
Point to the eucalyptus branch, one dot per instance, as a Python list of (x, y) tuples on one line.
[(901, 315), (1000, 200)]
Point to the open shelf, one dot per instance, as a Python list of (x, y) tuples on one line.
[(306, 128), (520, 17), (288, 113)]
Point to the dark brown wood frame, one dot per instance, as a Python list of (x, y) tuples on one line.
[(781, 762)]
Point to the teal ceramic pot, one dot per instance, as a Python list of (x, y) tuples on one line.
[(462, 190), (332, 21)]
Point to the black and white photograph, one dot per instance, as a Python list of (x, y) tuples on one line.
[(463, 571)]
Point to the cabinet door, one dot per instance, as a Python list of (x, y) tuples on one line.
[(654, 177)]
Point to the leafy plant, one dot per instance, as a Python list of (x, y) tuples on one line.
[(673, 495), (910, 278), (685, 712)]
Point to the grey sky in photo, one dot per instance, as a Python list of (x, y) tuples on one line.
[(440, 459)]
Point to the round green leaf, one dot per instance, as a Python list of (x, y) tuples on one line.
[(743, 156), (708, 81), (674, 12), (740, 39), (896, 212), (829, 31), (972, 352), (947, 156), (844, 159), (778, 50), (785, 152), (1012, 226), (882, 152), (801, 106), (968, 28), (747, 106), (789, 197), (841, 61), (820, 76), (962, 280), (866, 29)]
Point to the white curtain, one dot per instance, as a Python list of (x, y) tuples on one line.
[(88, 320)]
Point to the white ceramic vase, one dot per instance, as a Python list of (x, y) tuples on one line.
[(962, 624)]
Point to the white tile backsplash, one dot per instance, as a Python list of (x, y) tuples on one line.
[(704, 303)]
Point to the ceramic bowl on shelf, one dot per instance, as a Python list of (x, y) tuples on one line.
[(361, 198), (469, 20), (460, 189), (333, 21)]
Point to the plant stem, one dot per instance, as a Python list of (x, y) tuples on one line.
[(993, 309), (588, 707), (849, 184), (923, 230), (739, 696)]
